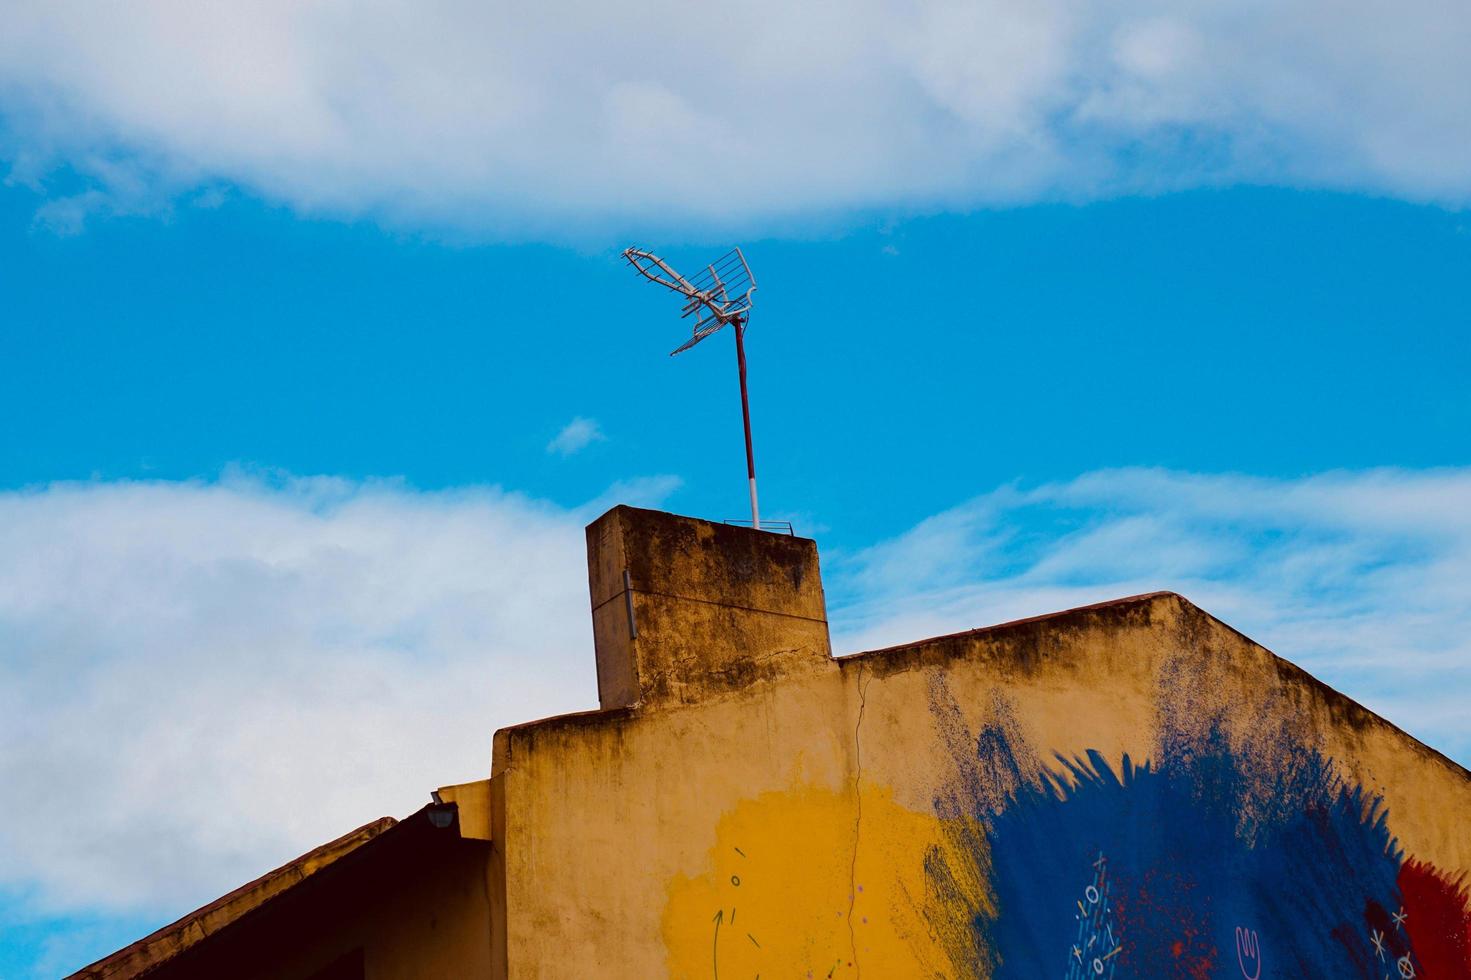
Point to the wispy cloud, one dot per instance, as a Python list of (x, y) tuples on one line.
[(576, 436), (540, 121), (1359, 577)]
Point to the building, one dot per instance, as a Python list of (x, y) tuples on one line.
[(1127, 789)]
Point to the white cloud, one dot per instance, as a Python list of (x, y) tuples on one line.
[(576, 436), (1358, 577), (201, 680), (530, 120)]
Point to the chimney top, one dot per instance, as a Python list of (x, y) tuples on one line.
[(685, 608)]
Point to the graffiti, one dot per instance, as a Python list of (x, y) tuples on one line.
[(1436, 919), (715, 944), (1207, 854), (1096, 945), (1388, 941), (1248, 953), (720, 919), (1191, 855)]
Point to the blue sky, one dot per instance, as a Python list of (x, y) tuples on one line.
[(1264, 331), (317, 353)]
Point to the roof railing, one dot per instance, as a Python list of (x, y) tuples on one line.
[(779, 527)]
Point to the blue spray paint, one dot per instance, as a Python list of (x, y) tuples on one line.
[(1217, 867)]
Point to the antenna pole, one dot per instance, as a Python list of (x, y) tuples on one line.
[(740, 334)]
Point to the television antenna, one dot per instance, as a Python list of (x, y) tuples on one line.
[(719, 295)]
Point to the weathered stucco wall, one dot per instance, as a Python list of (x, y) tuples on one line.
[(1132, 789)]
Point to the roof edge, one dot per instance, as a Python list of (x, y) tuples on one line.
[(1340, 703), (1131, 600), (597, 716), (189, 930)]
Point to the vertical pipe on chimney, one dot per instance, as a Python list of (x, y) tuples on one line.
[(628, 604)]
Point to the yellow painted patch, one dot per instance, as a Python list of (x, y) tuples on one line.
[(788, 895)]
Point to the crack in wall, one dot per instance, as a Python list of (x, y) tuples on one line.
[(858, 817)]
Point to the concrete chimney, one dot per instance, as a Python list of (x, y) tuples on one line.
[(684, 609)]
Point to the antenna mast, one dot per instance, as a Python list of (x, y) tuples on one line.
[(719, 295)]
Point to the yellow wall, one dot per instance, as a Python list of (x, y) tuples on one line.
[(837, 816)]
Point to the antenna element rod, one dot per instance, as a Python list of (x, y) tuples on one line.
[(740, 332)]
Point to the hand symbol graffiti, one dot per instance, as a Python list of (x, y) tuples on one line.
[(1249, 953)]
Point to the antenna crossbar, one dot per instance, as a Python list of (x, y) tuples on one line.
[(719, 294)]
